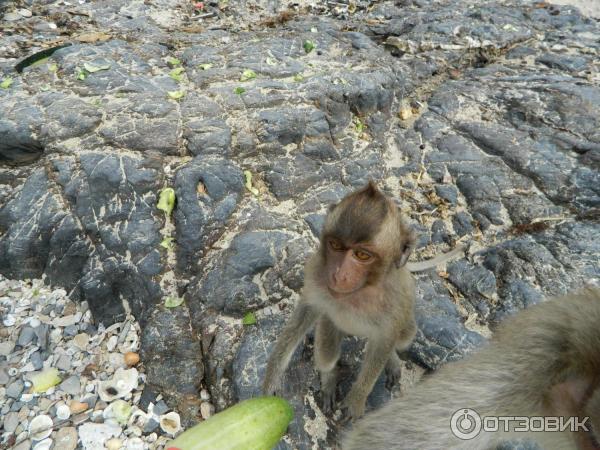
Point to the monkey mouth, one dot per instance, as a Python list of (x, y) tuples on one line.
[(339, 293)]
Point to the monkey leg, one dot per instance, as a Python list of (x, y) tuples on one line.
[(377, 354), (327, 352), (393, 371)]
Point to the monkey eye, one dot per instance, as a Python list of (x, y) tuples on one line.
[(362, 255), (336, 245)]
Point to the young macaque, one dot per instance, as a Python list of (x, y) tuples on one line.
[(357, 283), (543, 362)]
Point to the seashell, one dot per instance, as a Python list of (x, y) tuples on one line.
[(114, 444), (63, 412), (40, 427), (170, 423), (119, 410), (122, 383)]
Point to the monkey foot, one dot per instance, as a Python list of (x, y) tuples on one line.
[(328, 402), (392, 377)]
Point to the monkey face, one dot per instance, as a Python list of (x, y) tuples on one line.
[(348, 266)]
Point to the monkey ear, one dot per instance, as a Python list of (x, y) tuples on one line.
[(407, 245)]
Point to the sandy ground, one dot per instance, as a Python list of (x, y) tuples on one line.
[(588, 7)]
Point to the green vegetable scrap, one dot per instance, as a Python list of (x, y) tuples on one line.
[(177, 73), (44, 380), (239, 90), (248, 183), (254, 424), (309, 46), (168, 243), (249, 319), (91, 68), (173, 61), (166, 200), (248, 74), (6, 83), (173, 302), (176, 95)]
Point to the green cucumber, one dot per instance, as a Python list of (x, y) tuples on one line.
[(254, 424)]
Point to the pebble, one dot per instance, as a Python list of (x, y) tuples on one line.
[(26, 336), (11, 420), (78, 407), (160, 408), (66, 438), (207, 410), (114, 444), (12, 17), (81, 341), (24, 12), (131, 358), (36, 361), (67, 340), (14, 389), (6, 348), (71, 385), (63, 363), (9, 320), (4, 378)]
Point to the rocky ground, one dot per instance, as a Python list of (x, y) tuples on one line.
[(481, 117)]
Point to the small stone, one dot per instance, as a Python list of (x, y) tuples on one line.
[(9, 320), (36, 360), (131, 358), (16, 406), (77, 407), (4, 378), (71, 385), (207, 410), (114, 444), (26, 336), (12, 17), (63, 363), (71, 330), (111, 343), (91, 400), (66, 438), (160, 408), (6, 348), (24, 12), (95, 435), (34, 322), (81, 341), (204, 395), (11, 420), (134, 443), (42, 332), (24, 445), (150, 425), (14, 389)]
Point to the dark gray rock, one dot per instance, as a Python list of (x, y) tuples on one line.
[(200, 217), (26, 336), (14, 389)]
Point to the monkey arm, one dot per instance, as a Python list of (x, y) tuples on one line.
[(377, 354), (303, 318)]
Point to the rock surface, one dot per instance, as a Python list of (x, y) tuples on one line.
[(480, 117)]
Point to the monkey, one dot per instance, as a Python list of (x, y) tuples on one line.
[(541, 362), (357, 283)]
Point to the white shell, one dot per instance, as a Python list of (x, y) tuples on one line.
[(40, 427), (170, 423), (134, 443), (63, 412), (114, 444), (121, 384), (46, 444)]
